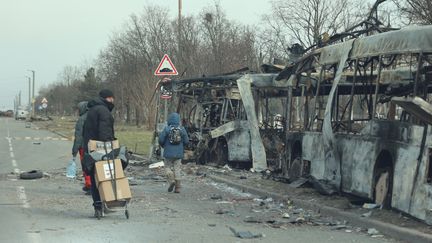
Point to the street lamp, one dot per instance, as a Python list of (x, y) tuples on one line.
[(33, 89), (29, 84)]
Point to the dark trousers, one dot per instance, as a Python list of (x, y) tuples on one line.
[(97, 204), (87, 180)]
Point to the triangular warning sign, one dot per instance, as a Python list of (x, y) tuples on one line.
[(166, 67), (44, 100)]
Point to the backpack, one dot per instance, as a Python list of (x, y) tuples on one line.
[(174, 135)]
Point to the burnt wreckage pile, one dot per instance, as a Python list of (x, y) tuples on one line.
[(353, 112)]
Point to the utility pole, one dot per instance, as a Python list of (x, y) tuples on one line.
[(19, 99), (29, 100), (33, 94), (179, 27)]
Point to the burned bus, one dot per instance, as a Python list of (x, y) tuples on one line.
[(355, 114)]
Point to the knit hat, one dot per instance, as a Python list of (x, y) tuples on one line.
[(106, 93)]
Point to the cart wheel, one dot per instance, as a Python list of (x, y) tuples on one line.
[(127, 214)]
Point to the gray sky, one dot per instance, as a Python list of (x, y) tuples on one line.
[(46, 35)]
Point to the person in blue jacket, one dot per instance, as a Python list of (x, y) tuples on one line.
[(173, 139)]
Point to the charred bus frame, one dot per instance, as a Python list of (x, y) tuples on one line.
[(354, 114)]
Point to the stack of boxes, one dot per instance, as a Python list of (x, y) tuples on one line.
[(110, 179)]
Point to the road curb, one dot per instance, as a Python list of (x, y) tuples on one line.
[(394, 231), (60, 134)]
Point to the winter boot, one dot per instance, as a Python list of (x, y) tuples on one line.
[(171, 186), (177, 186), (98, 213)]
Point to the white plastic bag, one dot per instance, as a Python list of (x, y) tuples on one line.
[(71, 169)]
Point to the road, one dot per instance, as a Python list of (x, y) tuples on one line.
[(54, 209)]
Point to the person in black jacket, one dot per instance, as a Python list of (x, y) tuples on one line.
[(99, 125)]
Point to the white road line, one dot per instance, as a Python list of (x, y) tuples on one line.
[(27, 138), (22, 196), (10, 149), (17, 171), (12, 155), (8, 131), (14, 163), (34, 237)]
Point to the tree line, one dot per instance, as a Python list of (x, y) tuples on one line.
[(208, 44)]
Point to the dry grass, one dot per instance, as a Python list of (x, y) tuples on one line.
[(137, 140)]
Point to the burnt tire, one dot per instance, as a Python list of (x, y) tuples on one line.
[(30, 175)]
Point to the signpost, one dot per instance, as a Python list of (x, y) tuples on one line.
[(165, 68), (45, 105)]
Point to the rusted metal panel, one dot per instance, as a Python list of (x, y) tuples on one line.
[(257, 148), (416, 106), (239, 142)]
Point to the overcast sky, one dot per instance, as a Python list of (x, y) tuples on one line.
[(46, 35)]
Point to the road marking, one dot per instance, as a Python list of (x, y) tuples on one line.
[(14, 163), (22, 196), (34, 237), (12, 155), (10, 149), (41, 138), (17, 171), (8, 131)]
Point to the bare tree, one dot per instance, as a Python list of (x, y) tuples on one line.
[(416, 11), (305, 22)]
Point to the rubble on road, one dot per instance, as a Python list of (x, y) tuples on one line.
[(245, 234)]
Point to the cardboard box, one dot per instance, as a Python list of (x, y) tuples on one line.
[(102, 172), (106, 190), (100, 146)]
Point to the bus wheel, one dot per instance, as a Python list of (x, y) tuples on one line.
[(220, 154), (295, 170), (382, 188)]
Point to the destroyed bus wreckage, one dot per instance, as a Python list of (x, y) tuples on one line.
[(354, 114)]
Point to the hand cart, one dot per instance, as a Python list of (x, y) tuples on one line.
[(119, 204)]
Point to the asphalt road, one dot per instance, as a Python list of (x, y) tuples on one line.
[(54, 209)]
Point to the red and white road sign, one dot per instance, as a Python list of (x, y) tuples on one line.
[(166, 67)]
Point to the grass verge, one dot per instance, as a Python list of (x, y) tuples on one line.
[(137, 140)]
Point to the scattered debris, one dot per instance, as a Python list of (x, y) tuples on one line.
[(251, 219), (370, 205), (339, 227), (157, 165), (216, 197), (322, 186), (300, 220), (367, 215), (227, 167), (223, 211), (372, 231), (245, 234), (299, 182)]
